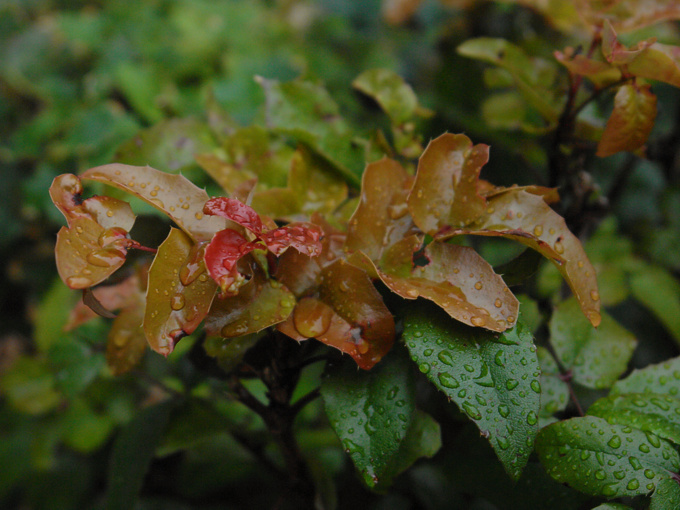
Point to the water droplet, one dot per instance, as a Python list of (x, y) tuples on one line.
[(585, 454), (559, 247), (644, 448), (478, 285), (448, 381), (532, 419), (472, 411), (412, 293), (476, 321), (424, 368), (594, 295), (469, 368), (649, 473), (538, 230), (536, 386), (462, 393), (344, 286), (480, 400), (633, 484), (614, 442), (498, 303), (503, 410), (511, 384), (428, 352), (106, 257), (635, 463), (392, 393), (600, 474), (446, 358), (177, 302), (660, 404), (499, 359), (78, 282), (417, 334), (503, 442), (653, 439)]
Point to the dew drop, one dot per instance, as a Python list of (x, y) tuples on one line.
[(446, 358), (448, 381), (532, 419), (424, 368), (78, 282), (471, 411), (644, 448), (498, 303), (649, 473), (412, 293), (503, 442), (559, 247), (600, 474), (585, 454), (177, 302), (478, 285), (511, 384), (469, 368), (538, 230), (635, 463), (594, 295), (499, 359), (536, 386), (477, 321), (503, 410), (653, 439), (106, 257), (633, 484), (428, 352), (614, 442)]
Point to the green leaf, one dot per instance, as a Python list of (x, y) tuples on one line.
[(596, 357), (423, 439), (173, 195), (597, 458), (662, 378), (492, 378), (649, 412), (84, 429), (631, 120), (52, 315), (76, 365), (307, 112), (554, 391), (179, 292), (371, 412), (133, 451), (445, 193), (390, 91), (612, 506), (666, 496), (659, 291), (30, 386)]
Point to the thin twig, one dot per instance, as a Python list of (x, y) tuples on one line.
[(306, 399)]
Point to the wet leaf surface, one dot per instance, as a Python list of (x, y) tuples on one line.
[(126, 342), (176, 301), (173, 195), (493, 379), (554, 391), (597, 458), (444, 193), (390, 91), (596, 357), (370, 412), (661, 378), (526, 218)]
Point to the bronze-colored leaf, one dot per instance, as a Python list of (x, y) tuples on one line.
[(175, 303), (445, 190), (83, 256), (526, 218), (631, 121), (259, 304), (455, 277), (174, 195), (126, 342), (382, 217), (349, 315)]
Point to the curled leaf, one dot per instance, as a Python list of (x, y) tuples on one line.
[(177, 300), (526, 218), (631, 121), (445, 190), (222, 254), (174, 195)]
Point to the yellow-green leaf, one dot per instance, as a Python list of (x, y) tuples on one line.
[(631, 121), (177, 299)]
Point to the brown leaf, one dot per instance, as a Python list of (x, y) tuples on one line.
[(631, 120), (174, 195), (126, 343), (259, 304), (526, 218), (177, 299), (659, 62), (349, 315), (382, 217), (445, 190)]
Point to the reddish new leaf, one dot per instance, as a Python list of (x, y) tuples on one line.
[(445, 190), (348, 315), (617, 53), (174, 195), (631, 120), (177, 300), (382, 217), (259, 304), (222, 254), (235, 211), (526, 218), (304, 237)]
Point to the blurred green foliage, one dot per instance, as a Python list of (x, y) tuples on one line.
[(84, 83)]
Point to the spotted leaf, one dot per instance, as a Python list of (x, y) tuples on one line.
[(526, 218), (179, 295)]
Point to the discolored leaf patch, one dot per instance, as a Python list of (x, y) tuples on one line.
[(178, 296)]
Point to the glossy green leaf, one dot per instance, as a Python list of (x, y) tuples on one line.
[(554, 391), (390, 91), (650, 412), (445, 193), (307, 112), (173, 195), (596, 357), (612, 506), (492, 378), (371, 412), (177, 299), (30, 386), (76, 365), (666, 496), (133, 451), (659, 291), (382, 218), (631, 121), (526, 218), (455, 277), (597, 458), (526, 72), (662, 378), (169, 145), (52, 315)]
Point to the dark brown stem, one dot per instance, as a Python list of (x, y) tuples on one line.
[(566, 375)]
